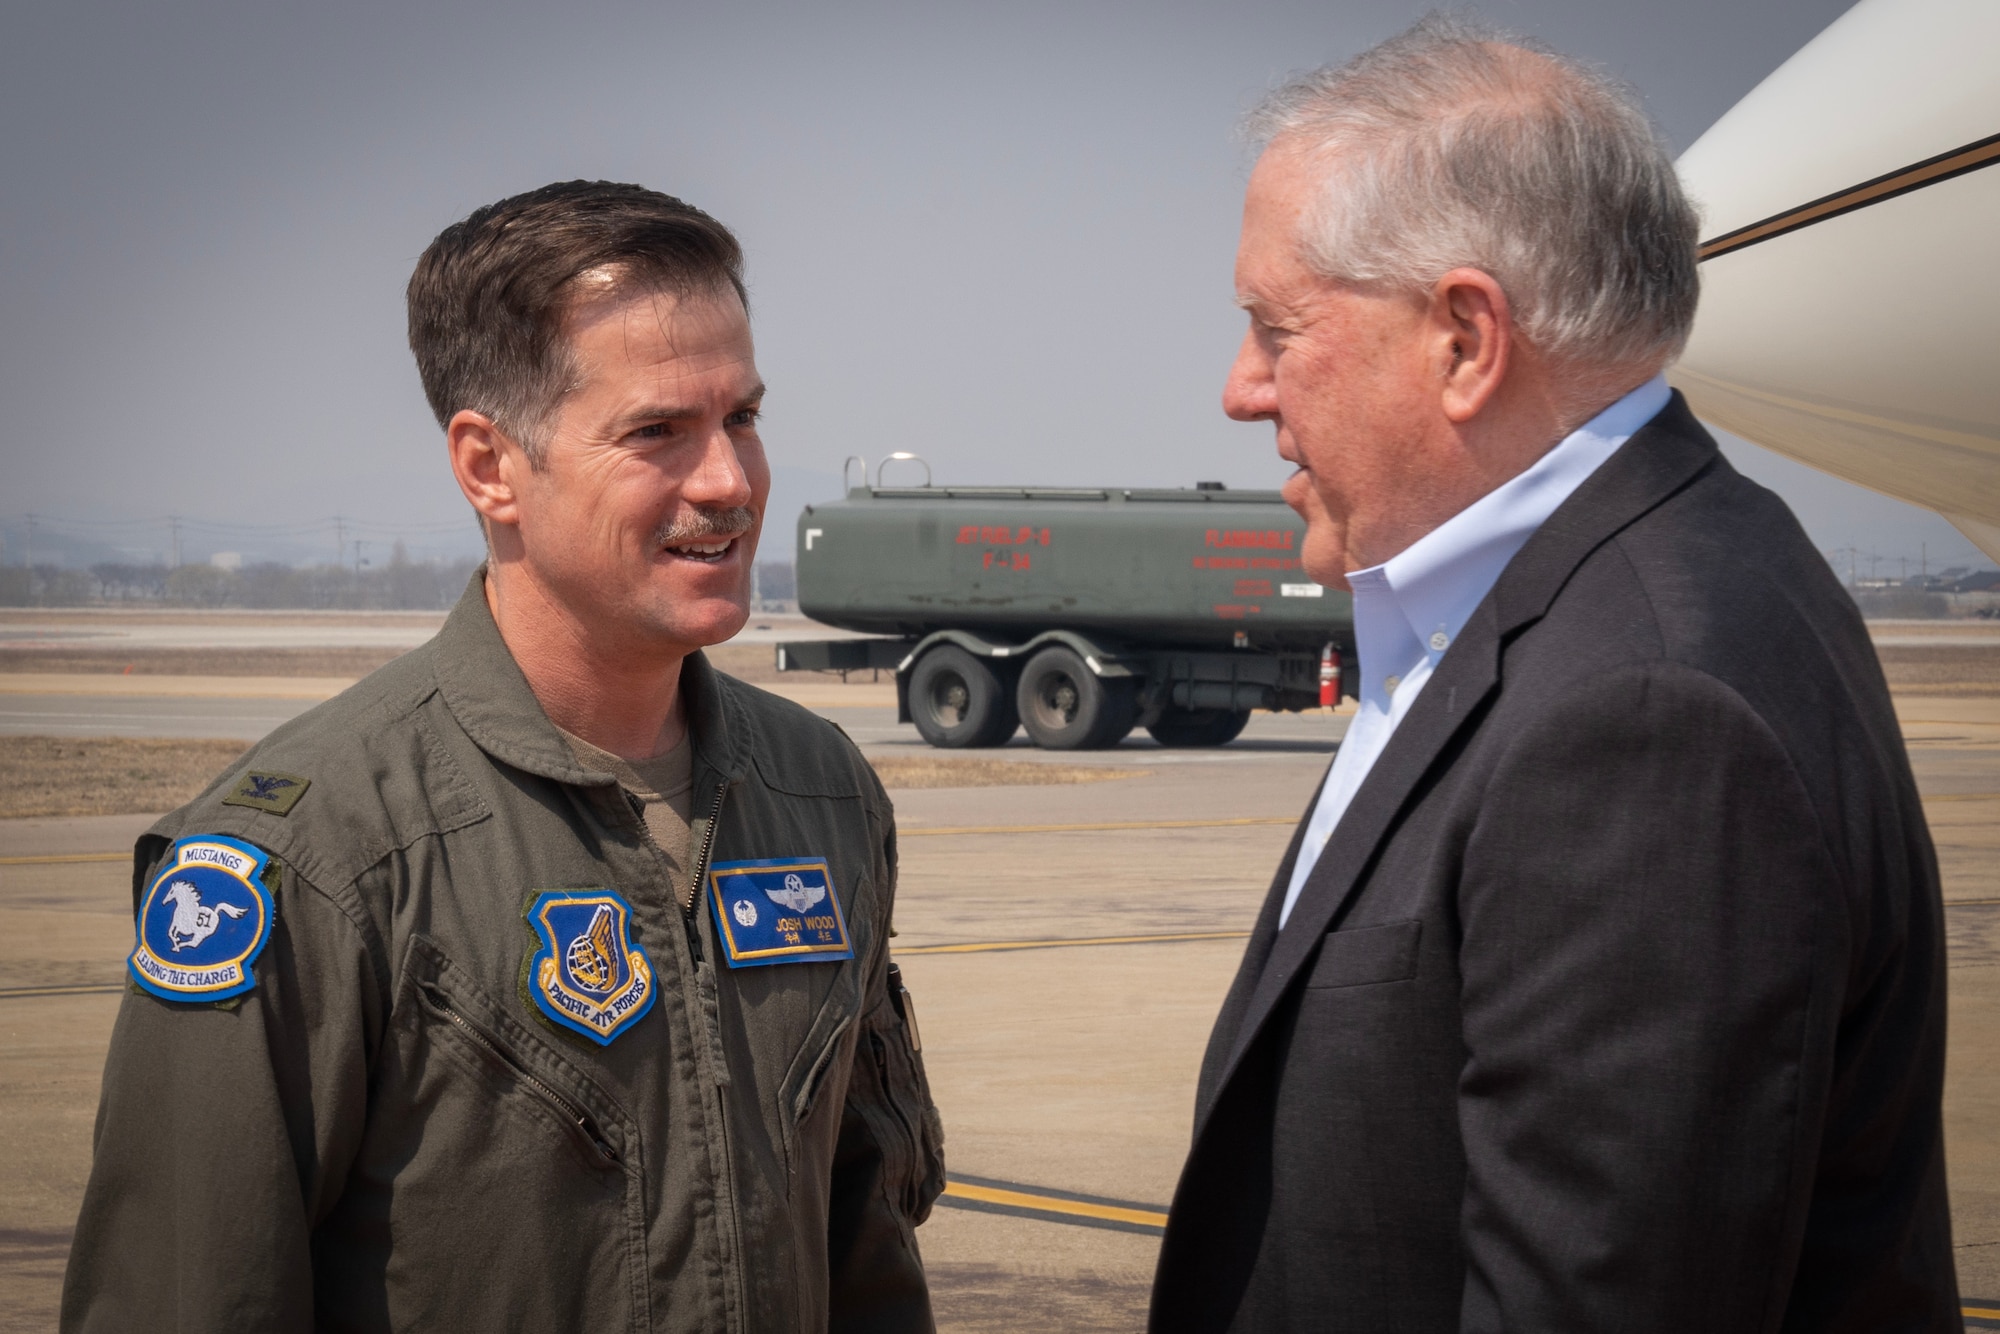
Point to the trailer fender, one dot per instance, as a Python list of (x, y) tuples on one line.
[(1103, 658)]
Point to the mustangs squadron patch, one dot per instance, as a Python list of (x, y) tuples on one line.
[(204, 921), (782, 910), (588, 975)]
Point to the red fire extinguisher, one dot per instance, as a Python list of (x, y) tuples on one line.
[(1329, 677)]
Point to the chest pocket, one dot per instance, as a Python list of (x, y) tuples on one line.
[(1365, 955), (488, 1141)]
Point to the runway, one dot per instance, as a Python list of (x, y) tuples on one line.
[(1066, 946)]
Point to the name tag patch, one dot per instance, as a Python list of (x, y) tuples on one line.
[(589, 975), (204, 921), (780, 910)]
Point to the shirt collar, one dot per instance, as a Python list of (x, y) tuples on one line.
[(1441, 578), (486, 692)]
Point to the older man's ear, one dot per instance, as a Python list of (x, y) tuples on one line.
[(1473, 331)]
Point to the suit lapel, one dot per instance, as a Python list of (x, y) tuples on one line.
[(1660, 458), (1453, 695)]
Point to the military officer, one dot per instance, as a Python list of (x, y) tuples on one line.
[(541, 980)]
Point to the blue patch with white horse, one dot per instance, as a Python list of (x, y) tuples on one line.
[(204, 921)]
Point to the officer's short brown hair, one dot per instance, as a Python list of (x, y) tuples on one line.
[(489, 298)]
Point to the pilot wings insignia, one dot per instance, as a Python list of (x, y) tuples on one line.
[(267, 786), (796, 894)]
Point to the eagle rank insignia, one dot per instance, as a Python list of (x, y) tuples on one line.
[(782, 910), (588, 975), (204, 921)]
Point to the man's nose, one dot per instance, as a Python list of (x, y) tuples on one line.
[(719, 477), (1250, 394)]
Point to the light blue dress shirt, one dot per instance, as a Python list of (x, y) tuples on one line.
[(1408, 609)]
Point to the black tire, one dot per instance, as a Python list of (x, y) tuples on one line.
[(1066, 706), (958, 700), (1198, 727)]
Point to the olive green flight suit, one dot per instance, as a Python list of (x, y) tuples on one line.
[(386, 1134)]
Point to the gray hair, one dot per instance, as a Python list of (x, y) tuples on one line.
[(1453, 146)]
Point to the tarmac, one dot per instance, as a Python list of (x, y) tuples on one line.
[(1067, 948)]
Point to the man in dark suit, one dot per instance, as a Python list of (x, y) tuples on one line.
[(1603, 984)]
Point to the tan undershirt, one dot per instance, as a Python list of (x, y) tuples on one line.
[(665, 785)]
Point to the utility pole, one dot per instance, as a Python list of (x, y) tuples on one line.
[(1924, 559), (28, 554), (339, 540), (174, 527)]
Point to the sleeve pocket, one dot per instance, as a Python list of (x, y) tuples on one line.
[(1359, 956)]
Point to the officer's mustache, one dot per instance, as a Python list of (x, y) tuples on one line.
[(702, 523)]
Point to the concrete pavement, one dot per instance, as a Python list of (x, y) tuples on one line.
[(1062, 1070)]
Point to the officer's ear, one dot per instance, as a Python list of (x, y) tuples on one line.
[(488, 465)]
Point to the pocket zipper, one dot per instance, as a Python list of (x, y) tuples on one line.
[(578, 1117)]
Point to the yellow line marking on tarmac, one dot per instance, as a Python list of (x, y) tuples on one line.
[(1021, 1199), (1976, 1312), (1107, 826), (983, 946), (61, 858), (1965, 796)]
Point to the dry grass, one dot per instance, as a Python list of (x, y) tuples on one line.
[(347, 662), (41, 775), (755, 663), (45, 775), (1942, 669), (938, 771)]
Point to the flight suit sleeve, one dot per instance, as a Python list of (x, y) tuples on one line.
[(224, 1132), (889, 1163)]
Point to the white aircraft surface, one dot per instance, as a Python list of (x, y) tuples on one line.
[(1850, 307)]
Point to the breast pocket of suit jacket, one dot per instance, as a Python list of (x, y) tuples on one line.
[(500, 1146), (1365, 956)]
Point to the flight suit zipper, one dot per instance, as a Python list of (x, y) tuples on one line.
[(579, 1119), (690, 914), (701, 858)]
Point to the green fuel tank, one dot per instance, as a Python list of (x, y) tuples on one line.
[(1202, 567)]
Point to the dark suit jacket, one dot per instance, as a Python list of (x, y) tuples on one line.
[(1617, 999)]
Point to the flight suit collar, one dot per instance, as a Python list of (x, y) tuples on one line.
[(491, 700)]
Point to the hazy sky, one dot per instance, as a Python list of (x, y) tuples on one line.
[(997, 235)]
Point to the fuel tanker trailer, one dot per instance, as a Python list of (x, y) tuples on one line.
[(1077, 613)]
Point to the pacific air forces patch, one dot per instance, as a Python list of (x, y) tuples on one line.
[(779, 910), (589, 975), (204, 921)]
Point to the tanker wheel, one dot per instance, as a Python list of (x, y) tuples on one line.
[(958, 700), (1198, 727), (1066, 706)]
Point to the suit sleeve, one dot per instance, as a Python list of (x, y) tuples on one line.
[(889, 1162), (1647, 908), (223, 1134)]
